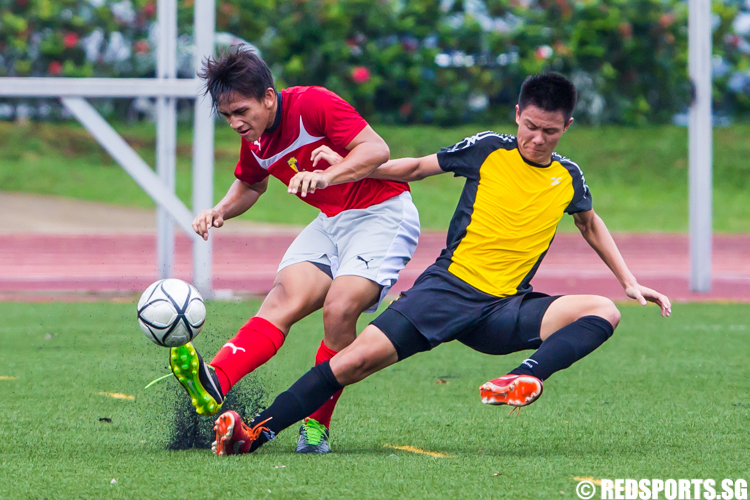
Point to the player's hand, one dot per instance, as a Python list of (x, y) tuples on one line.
[(307, 182), (206, 220), (327, 154), (645, 295)]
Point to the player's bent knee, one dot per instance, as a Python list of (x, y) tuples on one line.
[(289, 299), (615, 317), (607, 310), (283, 307), (353, 368), (340, 311)]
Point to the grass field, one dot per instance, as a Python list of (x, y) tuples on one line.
[(638, 176), (661, 399)]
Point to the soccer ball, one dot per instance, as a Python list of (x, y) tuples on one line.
[(171, 312)]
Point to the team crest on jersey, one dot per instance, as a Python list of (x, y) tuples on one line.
[(292, 162)]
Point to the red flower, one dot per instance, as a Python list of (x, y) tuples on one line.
[(54, 68), (565, 8), (360, 74), (70, 40), (544, 52), (141, 47), (149, 9), (666, 20), (626, 30), (227, 8), (562, 49)]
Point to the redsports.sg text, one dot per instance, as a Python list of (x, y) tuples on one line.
[(669, 489)]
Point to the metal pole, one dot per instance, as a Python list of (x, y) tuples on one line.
[(129, 160), (203, 144), (26, 86), (700, 149), (166, 132)]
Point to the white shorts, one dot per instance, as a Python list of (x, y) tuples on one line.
[(374, 242)]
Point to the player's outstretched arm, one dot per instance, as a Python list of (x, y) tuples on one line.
[(597, 235), (238, 200), (367, 151), (401, 169), (408, 169)]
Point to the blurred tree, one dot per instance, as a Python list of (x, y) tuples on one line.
[(412, 61)]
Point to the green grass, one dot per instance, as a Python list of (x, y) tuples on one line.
[(638, 176), (661, 399)]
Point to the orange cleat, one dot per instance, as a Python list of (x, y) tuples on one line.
[(234, 437), (513, 390)]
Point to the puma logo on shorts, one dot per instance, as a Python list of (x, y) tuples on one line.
[(367, 262)]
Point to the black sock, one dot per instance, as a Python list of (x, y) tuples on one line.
[(302, 399), (566, 346)]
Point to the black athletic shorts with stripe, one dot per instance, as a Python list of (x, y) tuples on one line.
[(441, 307)]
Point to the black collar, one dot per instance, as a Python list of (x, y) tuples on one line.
[(277, 120), (537, 165)]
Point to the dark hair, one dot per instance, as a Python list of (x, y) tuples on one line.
[(550, 92), (236, 69)]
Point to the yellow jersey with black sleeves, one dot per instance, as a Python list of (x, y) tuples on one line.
[(508, 212)]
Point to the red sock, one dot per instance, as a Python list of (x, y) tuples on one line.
[(324, 413), (256, 342)]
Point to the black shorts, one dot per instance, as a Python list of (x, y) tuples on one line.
[(441, 307)]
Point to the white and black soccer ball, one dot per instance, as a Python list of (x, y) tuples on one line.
[(171, 312)]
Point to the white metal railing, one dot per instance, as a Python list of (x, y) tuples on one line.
[(166, 88)]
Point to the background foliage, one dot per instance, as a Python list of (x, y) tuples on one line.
[(415, 61)]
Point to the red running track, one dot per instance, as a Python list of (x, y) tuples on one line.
[(49, 267)]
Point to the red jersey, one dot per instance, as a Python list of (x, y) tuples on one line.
[(306, 118)]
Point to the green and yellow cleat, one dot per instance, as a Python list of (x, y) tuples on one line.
[(198, 379), (313, 437)]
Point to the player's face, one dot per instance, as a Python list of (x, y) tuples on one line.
[(248, 116), (539, 131)]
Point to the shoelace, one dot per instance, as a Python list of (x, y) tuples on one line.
[(158, 380), (314, 432), (514, 409), (253, 432), (164, 377)]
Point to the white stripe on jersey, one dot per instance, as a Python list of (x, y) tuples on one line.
[(560, 158), (303, 139), (470, 141)]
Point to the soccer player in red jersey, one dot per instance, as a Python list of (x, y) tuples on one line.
[(344, 261)]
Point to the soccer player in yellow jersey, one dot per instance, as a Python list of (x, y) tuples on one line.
[(478, 291)]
